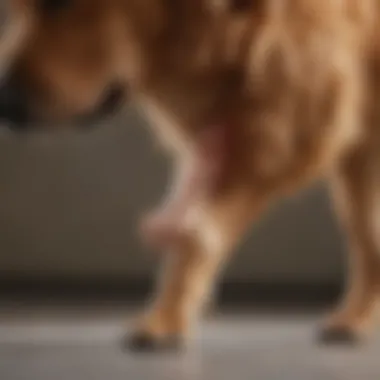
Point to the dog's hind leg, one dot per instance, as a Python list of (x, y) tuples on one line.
[(191, 271), (356, 189)]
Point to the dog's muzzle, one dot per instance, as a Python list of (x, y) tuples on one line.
[(15, 106)]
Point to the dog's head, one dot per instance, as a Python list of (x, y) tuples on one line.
[(62, 60)]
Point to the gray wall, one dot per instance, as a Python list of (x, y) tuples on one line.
[(68, 206)]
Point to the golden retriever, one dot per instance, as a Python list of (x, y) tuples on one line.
[(253, 98)]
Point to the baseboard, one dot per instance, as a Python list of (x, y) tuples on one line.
[(230, 293)]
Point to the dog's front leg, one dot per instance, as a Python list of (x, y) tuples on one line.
[(190, 272), (196, 176)]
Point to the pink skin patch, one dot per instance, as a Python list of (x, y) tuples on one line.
[(194, 181)]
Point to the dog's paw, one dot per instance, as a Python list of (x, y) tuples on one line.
[(339, 335), (145, 343)]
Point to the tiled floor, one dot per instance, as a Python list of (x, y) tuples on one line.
[(50, 346)]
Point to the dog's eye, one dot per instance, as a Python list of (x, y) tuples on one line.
[(55, 5)]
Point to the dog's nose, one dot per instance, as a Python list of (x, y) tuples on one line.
[(13, 103)]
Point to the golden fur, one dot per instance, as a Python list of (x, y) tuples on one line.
[(296, 84)]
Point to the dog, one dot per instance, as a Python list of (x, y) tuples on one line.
[(253, 99)]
